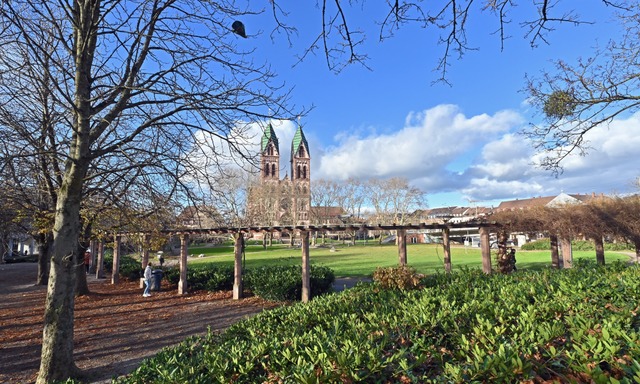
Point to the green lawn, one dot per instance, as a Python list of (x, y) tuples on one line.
[(359, 261)]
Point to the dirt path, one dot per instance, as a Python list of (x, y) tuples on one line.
[(115, 327)]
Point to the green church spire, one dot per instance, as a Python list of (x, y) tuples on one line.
[(269, 134), (299, 139)]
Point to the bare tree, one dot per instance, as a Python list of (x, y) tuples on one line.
[(576, 98), (136, 80), (325, 196), (341, 41)]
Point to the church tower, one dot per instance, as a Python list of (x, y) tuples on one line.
[(284, 201), (270, 156), (300, 178)]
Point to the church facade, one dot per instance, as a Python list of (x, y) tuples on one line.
[(282, 201)]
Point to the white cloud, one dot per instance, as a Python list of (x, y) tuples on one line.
[(610, 166), (497, 164), (429, 141)]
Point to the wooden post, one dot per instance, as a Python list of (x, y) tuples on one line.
[(485, 247), (238, 249), (402, 247), (182, 284), (306, 269), (446, 244), (599, 244), (567, 252), (93, 258), (555, 255), (100, 260), (115, 270)]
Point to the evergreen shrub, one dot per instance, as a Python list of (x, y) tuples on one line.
[(284, 283), (579, 325), (209, 277), (129, 269), (576, 245)]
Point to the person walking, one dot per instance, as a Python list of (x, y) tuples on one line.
[(147, 281)]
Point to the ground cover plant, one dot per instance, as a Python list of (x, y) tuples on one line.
[(361, 261), (577, 325)]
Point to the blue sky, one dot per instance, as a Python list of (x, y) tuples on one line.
[(457, 142)]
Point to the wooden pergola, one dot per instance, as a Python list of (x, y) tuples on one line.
[(304, 232)]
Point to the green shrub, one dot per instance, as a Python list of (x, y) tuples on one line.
[(130, 268), (207, 277), (402, 277), (576, 245), (576, 325), (538, 245), (284, 283)]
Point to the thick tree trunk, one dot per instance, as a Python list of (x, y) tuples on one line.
[(82, 288), (56, 361)]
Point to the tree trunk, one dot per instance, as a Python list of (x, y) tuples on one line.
[(45, 243), (599, 244), (555, 255), (82, 288), (56, 362)]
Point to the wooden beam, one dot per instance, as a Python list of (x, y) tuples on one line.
[(182, 284), (446, 244), (485, 247), (306, 270), (238, 250)]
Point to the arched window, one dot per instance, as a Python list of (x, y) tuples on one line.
[(273, 169), (298, 172), (266, 169), (304, 172)]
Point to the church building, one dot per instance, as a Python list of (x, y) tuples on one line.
[(285, 201)]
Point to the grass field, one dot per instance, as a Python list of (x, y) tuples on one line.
[(360, 261)]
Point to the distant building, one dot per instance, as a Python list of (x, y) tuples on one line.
[(548, 201), (285, 201), (453, 214), (199, 217)]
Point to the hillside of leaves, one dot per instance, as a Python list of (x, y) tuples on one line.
[(579, 325)]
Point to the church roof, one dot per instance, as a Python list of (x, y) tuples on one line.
[(299, 139), (269, 135)]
